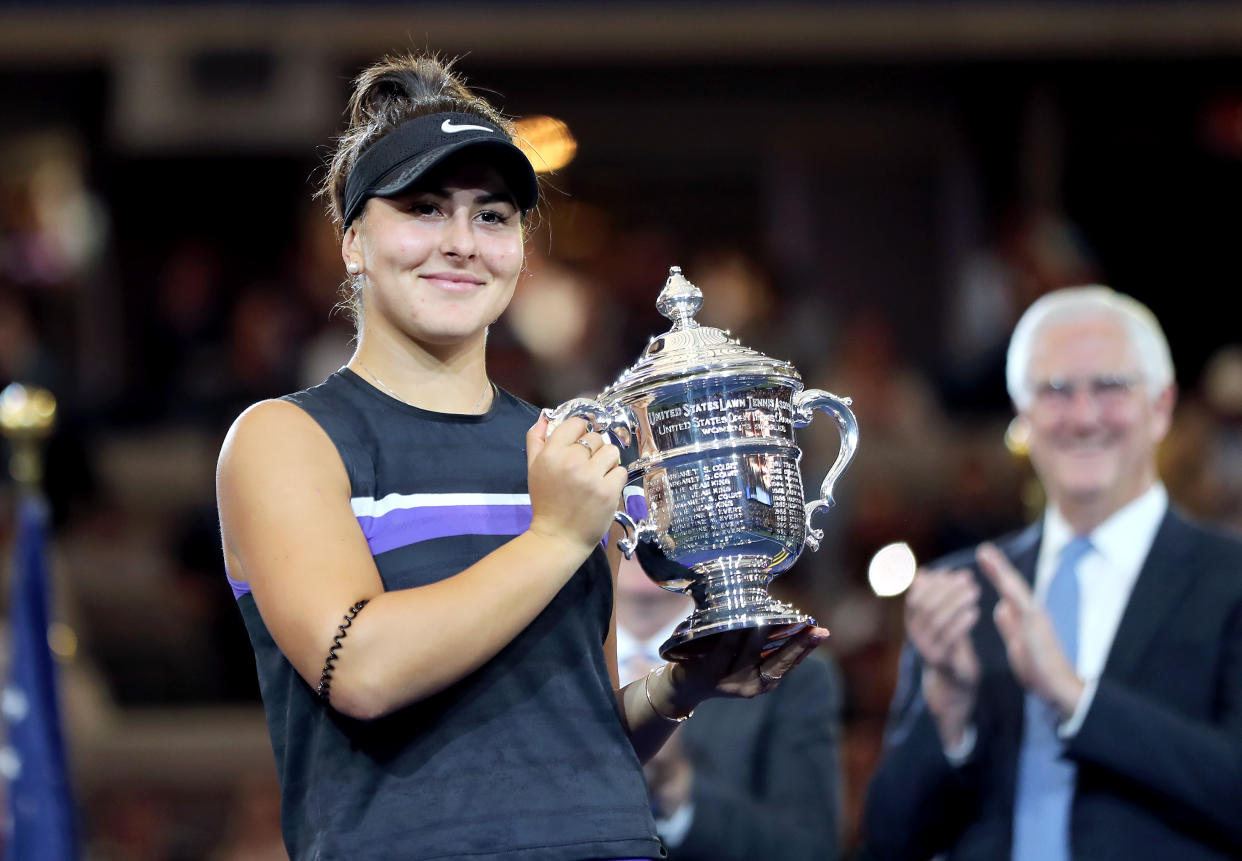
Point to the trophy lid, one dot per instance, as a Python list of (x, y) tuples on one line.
[(690, 349)]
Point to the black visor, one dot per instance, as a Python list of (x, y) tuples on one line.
[(400, 158)]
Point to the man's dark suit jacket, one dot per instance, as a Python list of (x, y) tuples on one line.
[(766, 784), (1159, 754)]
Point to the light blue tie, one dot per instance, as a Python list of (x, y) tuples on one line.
[(1045, 780)]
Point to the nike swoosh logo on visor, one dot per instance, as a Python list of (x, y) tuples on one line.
[(448, 128)]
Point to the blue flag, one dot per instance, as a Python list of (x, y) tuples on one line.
[(41, 821)]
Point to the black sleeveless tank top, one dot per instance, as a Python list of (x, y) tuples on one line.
[(524, 759)]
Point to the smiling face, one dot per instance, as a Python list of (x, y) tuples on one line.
[(1094, 423), (440, 261)]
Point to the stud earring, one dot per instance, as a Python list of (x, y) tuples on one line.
[(353, 268)]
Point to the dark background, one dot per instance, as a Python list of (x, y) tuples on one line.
[(860, 164)]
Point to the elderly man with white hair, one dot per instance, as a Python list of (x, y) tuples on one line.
[(1074, 691)]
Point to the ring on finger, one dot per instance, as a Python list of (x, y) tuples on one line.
[(767, 678), (582, 442)]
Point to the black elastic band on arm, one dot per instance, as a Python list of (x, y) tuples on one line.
[(325, 678)]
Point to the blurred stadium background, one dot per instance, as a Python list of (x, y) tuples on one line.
[(873, 190)]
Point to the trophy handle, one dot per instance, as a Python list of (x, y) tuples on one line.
[(804, 406), (618, 421), (635, 531)]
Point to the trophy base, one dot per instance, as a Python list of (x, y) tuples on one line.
[(694, 637), (732, 595)]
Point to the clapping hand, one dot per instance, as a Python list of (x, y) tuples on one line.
[(1035, 654), (941, 609)]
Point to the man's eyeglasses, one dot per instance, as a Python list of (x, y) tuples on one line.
[(1105, 390)]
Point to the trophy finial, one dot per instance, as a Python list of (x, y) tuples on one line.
[(27, 416), (680, 300)]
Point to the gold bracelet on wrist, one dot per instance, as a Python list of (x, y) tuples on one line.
[(647, 691)]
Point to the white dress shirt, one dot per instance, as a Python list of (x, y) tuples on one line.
[(635, 657)]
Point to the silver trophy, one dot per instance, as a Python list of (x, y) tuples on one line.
[(713, 426)]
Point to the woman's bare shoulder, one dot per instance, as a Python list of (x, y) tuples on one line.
[(274, 416), (277, 440)]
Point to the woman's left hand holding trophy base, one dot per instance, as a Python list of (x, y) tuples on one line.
[(738, 664), (743, 663)]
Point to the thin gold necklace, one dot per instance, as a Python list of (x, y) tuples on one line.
[(477, 408)]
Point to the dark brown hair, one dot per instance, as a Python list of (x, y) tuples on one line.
[(397, 88)]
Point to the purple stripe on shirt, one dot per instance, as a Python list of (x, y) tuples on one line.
[(239, 589), (636, 506), (404, 526)]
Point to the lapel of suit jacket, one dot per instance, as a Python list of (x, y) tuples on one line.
[(1161, 584), (1002, 709), (1024, 551)]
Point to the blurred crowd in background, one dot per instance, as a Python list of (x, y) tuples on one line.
[(879, 223)]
